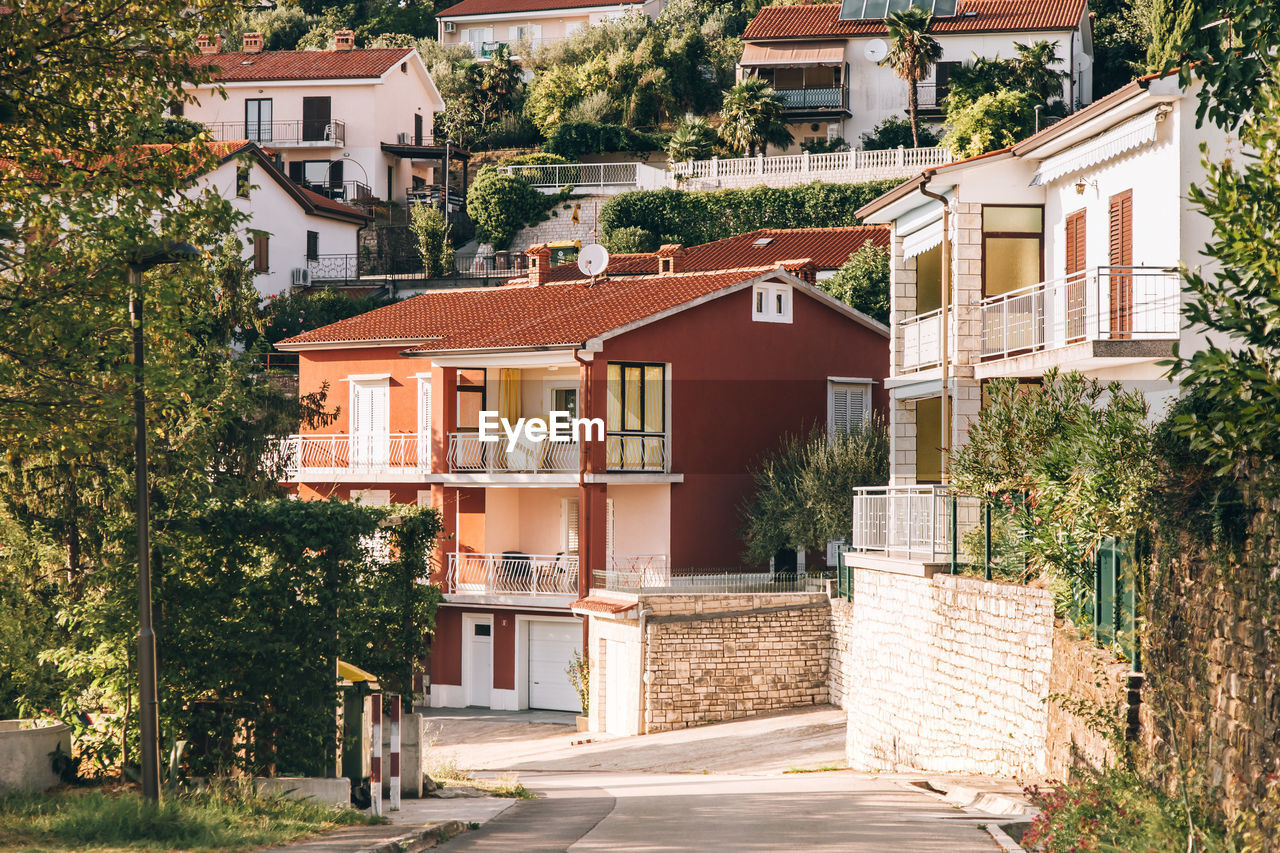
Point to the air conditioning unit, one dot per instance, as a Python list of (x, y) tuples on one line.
[(301, 277), (450, 27), (402, 138)]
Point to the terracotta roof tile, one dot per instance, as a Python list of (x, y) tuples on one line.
[(594, 604), (566, 314), (494, 7), (828, 248), (302, 64), (823, 20)]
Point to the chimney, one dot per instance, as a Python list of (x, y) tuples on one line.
[(807, 272), (669, 255), (252, 43), (209, 44), (539, 262), (344, 40)]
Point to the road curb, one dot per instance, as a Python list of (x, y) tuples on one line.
[(1007, 844), (418, 840)]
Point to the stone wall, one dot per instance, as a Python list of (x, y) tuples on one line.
[(952, 674), (844, 662), (1089, 706), (559, 225)]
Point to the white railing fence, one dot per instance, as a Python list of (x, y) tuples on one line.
[(359, 452), (512, 572), (921, 340), (468, 454), (916, 522), (839, 165), (553, 177), (1100, 304)]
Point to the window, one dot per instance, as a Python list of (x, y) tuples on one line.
[(261, 252), (243, 173), (316, 174), (636, 417), (848, 404), (257, 119), (177, 108), (771, 303), (471, 398), (565, 400), (1012, 247), (313, 245), (316, 116)]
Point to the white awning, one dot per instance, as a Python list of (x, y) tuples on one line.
[(919, 242), (800, 53), (1131, 135)]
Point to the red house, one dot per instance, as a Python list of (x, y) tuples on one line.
[(681, 381)]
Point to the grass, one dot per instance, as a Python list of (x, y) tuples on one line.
[(225, 817), (824, 768), (442, 766)]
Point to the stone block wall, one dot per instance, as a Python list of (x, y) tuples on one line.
[(844, 662), (559, 225), (951, 674), (1088, 693), (721, 657)]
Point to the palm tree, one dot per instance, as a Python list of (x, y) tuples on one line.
[(1036, 71), (694, 138), (912, 55), (751, 115)]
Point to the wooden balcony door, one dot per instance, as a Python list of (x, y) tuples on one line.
[(1121, 255), (317, 113), (1077, 302)]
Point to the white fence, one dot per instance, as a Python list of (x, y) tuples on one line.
[(598, 178), (1104, 303), (790, 169), (353, 453), (915, 522), (514, 573), (921, 340), (468, 454)]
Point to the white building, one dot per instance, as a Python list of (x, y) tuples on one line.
[(290, 230), (1063, 252), (522, 25), (824, 58), (356, 125)]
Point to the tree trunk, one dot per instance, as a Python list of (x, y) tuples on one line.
[(913, 102)]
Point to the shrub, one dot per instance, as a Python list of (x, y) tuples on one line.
[(574, 139), (863, 282), (693, 139), (690, 218), (534, 158), (292, 314), (511, 131), (995, 120), (501, 204), (595, 108), (431, 239), (630, 240), (895, 132)]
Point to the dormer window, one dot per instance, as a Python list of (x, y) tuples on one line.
[(771, 303)]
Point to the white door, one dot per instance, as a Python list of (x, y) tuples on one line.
[(370, 423), (551, 647), (615, 694), (479, 662)]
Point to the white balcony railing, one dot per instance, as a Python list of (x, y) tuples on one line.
[(603, 177), (467, 454), (353, 453), (921, 340), (1100, 304), (913, 522), (512, 573), (788, 169)]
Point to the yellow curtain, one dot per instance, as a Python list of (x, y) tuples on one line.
[(654, 417), (613, 416), (509, 394)]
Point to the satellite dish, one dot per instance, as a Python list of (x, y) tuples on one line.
[(875, 50), (1085, 62), (593, 259)]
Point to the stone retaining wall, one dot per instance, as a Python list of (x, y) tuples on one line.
[(844, 663), (1088, 700)]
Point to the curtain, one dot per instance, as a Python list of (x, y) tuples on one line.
[(509, 394)]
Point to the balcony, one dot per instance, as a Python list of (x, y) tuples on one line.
[(284, 134), (339, 458), (467, 454), (918, 523), (635, 451), (809, 99), (792, 169), (921, 340), (348, 192), (1110, 314), (512, 573)]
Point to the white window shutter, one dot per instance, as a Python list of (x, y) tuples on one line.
[(839, 409), (424, 422), (857, 407), (569, 514), (537, 31)]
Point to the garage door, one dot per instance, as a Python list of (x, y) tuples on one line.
[(551, 645)]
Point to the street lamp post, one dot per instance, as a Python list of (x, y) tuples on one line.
[(139, 262)]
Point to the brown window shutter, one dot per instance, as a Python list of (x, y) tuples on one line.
[(1121, 255), (1077, 295), (1075, 242), (261, 256)]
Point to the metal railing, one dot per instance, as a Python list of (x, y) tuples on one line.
[(467, 454), (1099, 304), (272, 362), (914, 522), (512, 573), (626, 451), (300, 132), (350, 192), (503, 265), (434, 195), (558, 175), (804, 167), (828, 97), (636, 575), (354, 453), (921, 340), (333, 268)]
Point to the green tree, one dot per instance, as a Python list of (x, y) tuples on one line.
[(995, 120), (863, 282), (912, 55), (895, 132), (1035, 71), (431, 240), (752, 115), (693, 139)]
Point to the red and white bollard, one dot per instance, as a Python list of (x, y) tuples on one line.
[(394, 778), (375, 766)]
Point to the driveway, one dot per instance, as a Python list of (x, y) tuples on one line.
[(711, 788)]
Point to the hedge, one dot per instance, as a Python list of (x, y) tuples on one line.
[(691, 218), (501, 204), (574, 139)]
